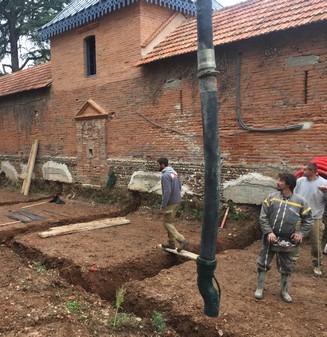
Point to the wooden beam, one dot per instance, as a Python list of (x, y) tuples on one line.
[(38, 203), (30, 168), (84, 226), (184, 253), (10, 223), (28, 165)]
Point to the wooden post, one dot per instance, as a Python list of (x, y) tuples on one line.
[(30, 168), (28, 165)]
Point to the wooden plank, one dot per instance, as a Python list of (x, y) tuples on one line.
[(184, 253), (28, 178), (9, 223), (84, 226), (38, 203), (28, 165)]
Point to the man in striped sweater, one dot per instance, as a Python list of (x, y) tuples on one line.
[(279, 215)]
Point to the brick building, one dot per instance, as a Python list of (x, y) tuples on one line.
[(122, 90)]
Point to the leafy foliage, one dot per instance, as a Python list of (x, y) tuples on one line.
[(159, 322), (112, 179), (20, 22), (119, 319), (39, 267), (73, 306)]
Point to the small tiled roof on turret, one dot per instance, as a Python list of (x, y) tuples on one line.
[(240, 22), (80, 12)]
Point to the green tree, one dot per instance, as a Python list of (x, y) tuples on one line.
[(19, 24)]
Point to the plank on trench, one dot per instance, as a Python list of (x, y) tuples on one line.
[(184, 253), (84, 226)]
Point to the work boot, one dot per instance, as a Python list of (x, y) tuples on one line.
[(317, 271), (182, 245), (170, 245), (260, 287), (284, 281)]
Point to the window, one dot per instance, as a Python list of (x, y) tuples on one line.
[(90, 56)]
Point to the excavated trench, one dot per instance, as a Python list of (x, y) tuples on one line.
[(104, 275), (105, 281), (102, 281)]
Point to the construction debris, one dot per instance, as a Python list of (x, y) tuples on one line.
[(19, 217), (57, 200), (23, 216), (32, 216)]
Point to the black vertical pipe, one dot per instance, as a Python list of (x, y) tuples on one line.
[(206, 262)]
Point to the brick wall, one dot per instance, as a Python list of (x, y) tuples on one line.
[(23, 119), (155, 110), (275, 95)]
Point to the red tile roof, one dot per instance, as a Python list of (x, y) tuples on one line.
[(28, 79), (243, 21)]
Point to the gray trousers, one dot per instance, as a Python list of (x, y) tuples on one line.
[(283, 259)]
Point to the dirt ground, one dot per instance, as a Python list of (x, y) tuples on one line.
[(64, 286)]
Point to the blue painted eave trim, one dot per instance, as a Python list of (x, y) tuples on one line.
[(104, 7)]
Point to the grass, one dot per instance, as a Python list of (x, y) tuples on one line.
[(197, 214), (73, 306), (119, 318), (39, 267), (235, 214), (158, 320)]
